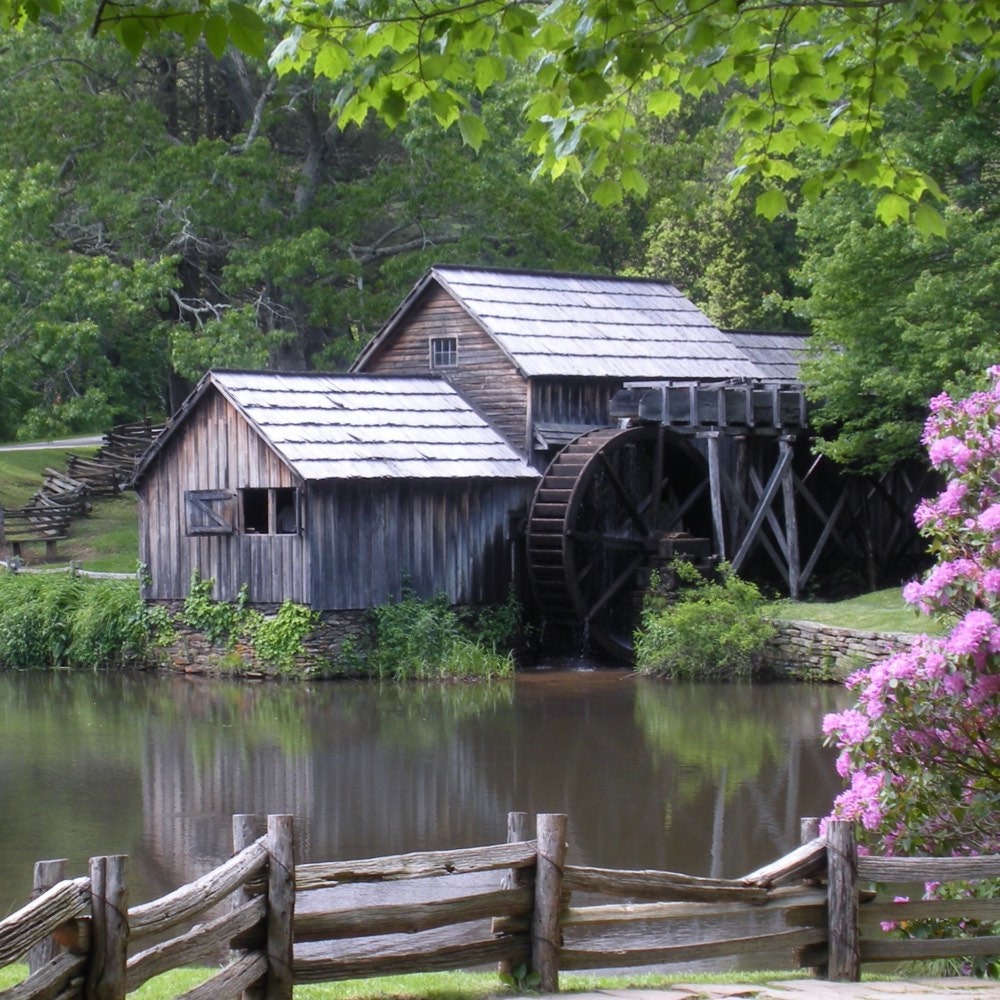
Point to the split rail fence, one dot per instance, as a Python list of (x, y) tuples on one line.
[(272, 924)]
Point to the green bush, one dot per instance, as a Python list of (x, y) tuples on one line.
[(277, 641), (705, 629), (218, 621), (420, 640)]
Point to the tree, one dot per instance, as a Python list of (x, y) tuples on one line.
[(167, 214), (805, 77), (898, 316)]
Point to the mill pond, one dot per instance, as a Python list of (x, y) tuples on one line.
[(702, 779)]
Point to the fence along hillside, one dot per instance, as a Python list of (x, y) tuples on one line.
[(274, 924)]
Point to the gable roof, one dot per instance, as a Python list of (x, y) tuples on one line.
[(585, 325), (361, 427)]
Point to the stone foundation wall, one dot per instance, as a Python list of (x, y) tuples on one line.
[(327, 650), (802, 649), (825, 652)]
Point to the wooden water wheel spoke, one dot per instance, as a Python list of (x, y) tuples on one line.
[(613, 589), (623, 494), (597, 522)]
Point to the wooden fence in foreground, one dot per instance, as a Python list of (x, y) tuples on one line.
[(272, 924)]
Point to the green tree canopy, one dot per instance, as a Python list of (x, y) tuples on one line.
[(898, 316), (805, 83), (163, 215)]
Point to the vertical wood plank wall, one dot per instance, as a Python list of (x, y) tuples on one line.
[(216, 449), (572, 400), (451, 538)]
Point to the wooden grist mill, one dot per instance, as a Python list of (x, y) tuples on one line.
[(560, 436), (708, 472)]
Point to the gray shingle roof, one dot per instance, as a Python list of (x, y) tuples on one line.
[(590, 326), (368, 427), (776, 354)]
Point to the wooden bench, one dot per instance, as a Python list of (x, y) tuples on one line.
[(33, 524)]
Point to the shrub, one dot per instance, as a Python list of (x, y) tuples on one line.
[(218, 621), (419, 640), (279, 640), (706, 629), (920, 749)]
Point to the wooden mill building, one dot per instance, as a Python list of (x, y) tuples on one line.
[(331, 491), (585, 427), (541, 355)]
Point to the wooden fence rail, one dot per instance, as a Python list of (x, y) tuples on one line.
[(274, 924)]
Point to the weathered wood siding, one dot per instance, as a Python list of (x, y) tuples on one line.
[(572, 400), (217, 449), (484, 374), (439, 537)]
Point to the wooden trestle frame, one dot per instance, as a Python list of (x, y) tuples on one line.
[(768, 491)]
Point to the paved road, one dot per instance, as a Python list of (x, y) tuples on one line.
[(807, 989), (80, 442)]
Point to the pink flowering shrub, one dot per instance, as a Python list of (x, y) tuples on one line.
[(920, 749)]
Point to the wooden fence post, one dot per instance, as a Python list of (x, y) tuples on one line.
[(280, 907), (517, 831), (842, 902), (546, 935), (809, 831), (109, 929), (47, 874), (244, 834)]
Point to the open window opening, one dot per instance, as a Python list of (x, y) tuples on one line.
[(270, 511)]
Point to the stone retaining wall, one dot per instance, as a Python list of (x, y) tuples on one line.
[(326, 648), (803, 649), (825, 652)]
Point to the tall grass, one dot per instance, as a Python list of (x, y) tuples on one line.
[(62, 620), (422, 640)]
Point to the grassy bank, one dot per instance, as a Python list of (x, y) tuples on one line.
[(881, 611), (103, 541)]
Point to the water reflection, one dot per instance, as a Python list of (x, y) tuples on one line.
[(702, 779)]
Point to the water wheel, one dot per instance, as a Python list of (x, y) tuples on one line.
[(612, 505)]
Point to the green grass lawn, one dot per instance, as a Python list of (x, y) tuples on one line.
[(881, 611), (434, 986)]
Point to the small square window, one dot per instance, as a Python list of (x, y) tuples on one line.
[(444, 352)]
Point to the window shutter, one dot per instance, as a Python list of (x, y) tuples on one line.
[(210, 512)]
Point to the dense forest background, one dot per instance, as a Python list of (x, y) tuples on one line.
[(176, 211)]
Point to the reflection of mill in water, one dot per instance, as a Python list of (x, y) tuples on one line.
[(348, 789), (367, 773)]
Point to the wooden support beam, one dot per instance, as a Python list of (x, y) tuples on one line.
[(280, 907), (46, 875), (763, 508), (786, 448), (106, 978), (715, 494), (244, 834), (517, 832), (739, 502)]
